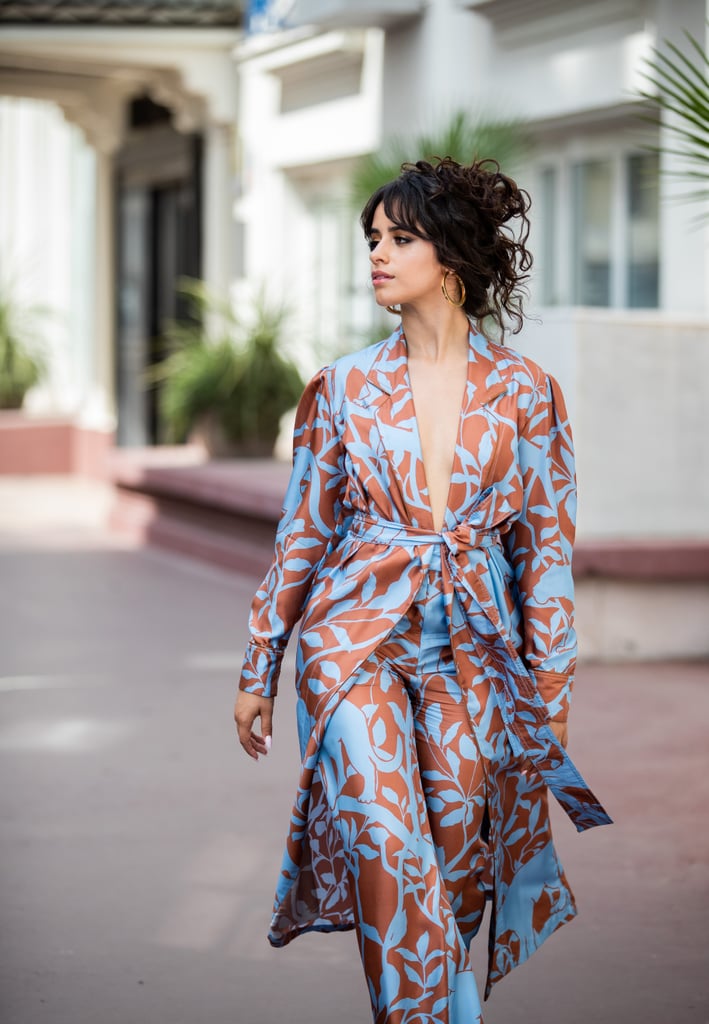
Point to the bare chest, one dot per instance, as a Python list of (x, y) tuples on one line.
[(438, 395)]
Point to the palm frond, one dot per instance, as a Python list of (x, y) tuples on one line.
[(464, 138), (677, 83)]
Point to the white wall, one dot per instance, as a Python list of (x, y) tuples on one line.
[(637, 387), (625, 620), (46, 242), (434, 66), (574, 72)]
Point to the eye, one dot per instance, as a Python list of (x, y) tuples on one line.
[(372, 244), (401, 240)]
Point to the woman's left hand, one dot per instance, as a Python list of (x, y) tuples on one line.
[(561, 731)]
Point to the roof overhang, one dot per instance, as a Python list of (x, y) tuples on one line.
[(162, 13), (91, 73)]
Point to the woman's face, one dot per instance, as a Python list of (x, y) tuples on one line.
[(405, 268)]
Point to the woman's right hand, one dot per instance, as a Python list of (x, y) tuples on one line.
[(247, 709)]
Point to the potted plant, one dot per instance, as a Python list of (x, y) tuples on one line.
[(22, 363), (225, 381)]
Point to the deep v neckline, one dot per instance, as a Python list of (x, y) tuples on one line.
[(455, 459)]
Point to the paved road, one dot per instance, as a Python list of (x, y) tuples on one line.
[(139, 847)]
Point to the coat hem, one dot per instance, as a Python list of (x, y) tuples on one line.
[(532, 947), (279, 943)]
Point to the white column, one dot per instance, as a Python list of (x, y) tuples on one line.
[(102, 410), (217, 211), (102, 119)]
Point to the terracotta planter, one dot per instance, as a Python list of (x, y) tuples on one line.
[(209, 434), (13, 402)]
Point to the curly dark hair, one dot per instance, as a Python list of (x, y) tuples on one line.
[(464, 211)]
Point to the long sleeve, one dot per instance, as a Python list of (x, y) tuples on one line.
[(540, 546), (310, 517)]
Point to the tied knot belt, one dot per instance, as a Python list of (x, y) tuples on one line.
[(465, 536)]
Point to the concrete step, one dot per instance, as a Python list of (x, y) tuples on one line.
[(223, 512)]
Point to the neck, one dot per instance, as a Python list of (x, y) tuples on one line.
[(435, 335)]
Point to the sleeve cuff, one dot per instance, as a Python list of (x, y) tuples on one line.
[(260, 670), (555, 690)]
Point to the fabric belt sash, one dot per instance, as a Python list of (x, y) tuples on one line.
[(465, 536)]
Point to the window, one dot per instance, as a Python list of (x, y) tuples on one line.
[(548, 244), (599, 241), (592, 198), (643, 230)]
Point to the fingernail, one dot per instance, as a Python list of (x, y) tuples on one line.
[(267, 741)]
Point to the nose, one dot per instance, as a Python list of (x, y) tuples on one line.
[(378, 253)]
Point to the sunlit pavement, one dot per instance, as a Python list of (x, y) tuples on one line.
[(139, 847)]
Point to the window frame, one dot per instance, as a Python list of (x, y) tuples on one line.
[(561, 161)]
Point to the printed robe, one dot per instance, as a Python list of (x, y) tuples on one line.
[(358, 474)]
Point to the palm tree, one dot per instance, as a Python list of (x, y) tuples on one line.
[(678, 84), (464, 138)]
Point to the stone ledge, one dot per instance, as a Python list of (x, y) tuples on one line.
[(38, 445), (221, 512), (251, 487), (651, 559)]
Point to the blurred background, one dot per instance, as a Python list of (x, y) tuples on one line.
[(180, 186)]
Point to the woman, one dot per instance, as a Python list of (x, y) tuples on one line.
[(426, 545)]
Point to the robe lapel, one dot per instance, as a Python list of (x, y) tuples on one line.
[(395, 416), (477, 433), (474, 456)]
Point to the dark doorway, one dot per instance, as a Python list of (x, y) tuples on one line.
[(158, 190)]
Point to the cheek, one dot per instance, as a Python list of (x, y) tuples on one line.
[(433, 271), (432, 265)]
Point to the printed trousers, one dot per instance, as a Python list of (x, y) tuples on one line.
[(404, 778)]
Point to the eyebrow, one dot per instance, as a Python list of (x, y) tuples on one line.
[(394, 227)]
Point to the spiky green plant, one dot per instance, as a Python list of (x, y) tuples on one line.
[(226, 369), (23, 363), (464, 138), (677, 82)]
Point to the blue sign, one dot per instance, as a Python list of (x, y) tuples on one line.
[(267, 15)]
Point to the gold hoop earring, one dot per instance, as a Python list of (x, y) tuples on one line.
[(394, 310), (461, 286)]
